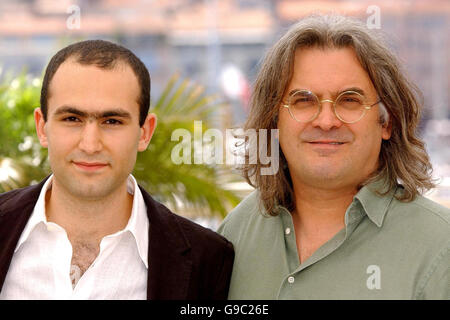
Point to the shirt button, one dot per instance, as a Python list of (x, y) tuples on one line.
[(287, 231), (291, 279)]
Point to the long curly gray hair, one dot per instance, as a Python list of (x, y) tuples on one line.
[(402, 158)]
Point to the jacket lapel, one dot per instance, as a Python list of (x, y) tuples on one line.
[(15, 209), (169, 260)]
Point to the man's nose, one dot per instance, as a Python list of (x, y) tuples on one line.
[(91, 140), (326, 120)]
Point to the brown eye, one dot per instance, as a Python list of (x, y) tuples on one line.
[(350, 99), (113, 122), (71, 119)]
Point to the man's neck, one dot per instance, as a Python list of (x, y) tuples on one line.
[(316, 207), (86, 219), (318, 215)]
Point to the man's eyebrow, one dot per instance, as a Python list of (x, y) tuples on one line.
[(68, 109), (293, 91), (97, 115), (355, 89), (115, 113)]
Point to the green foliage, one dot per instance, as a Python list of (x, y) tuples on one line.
[(198, 187), (19, 147)]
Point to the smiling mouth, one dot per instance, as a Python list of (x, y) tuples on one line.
[(326, 142), (90, 166)]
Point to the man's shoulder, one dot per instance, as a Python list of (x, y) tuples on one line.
[(6, 196), (427, 221), (197, 236), (197, 233), (424, 226), (433, 208), (424, 210), (18, 198), (247, 208), (246, 212)]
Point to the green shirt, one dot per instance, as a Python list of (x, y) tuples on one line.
[(388, 250)]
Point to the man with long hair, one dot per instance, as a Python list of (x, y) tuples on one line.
[(343, 218)]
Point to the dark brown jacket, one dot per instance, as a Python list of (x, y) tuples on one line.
[(186, 261)]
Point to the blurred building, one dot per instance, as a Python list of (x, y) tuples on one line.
[(219, 43), (199, 37)]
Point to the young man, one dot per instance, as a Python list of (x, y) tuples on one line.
[(343, 217), (89, 231)]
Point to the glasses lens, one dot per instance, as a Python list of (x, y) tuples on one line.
[(350, 106), (303, 105)]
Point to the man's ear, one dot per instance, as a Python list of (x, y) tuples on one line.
[(384, 119), (386, 130), (147, 130), (40, 127)]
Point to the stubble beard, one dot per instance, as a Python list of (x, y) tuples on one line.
[(89, 188)]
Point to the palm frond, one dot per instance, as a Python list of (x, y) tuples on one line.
[(193, 188)]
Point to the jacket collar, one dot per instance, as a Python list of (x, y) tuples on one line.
[(169, 259)]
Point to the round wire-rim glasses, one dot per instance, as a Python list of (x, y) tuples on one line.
[(359, 103)]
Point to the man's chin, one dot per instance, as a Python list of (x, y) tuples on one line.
[(89, 193), (88, 190), (325, 176)]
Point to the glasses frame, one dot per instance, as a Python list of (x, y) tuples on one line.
[(366, 106)]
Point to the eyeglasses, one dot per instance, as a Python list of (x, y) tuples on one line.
[(349, 106)]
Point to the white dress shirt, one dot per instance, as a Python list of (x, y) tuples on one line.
[(41, 265)]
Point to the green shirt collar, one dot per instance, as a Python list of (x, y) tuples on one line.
[(374, 204)]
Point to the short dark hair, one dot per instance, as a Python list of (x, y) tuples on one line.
[(105, 55)]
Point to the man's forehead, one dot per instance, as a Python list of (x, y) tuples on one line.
[(72, 68), (74, 61), (337, 69), (93, 90), (316, 59)]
